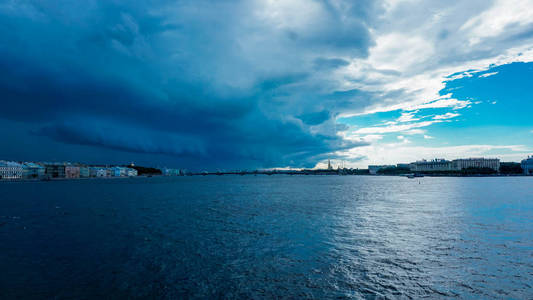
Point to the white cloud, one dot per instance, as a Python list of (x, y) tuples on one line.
[(400, 52), (398, 58), (446, 116), (394, 128), (444, 103), (408, 117), (421, 50), (392, 153), (371, 138), (414, 131), (365, 138), (488, 74), (501, 17), (297, 15)]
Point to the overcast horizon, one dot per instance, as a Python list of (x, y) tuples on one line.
[(265, 84)]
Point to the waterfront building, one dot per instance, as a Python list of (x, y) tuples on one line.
[(123, 171), (72, 171), (11, 170), (131, 172), (118, 171), (115, 171), (432, 165), (33, 170), (170, 172), (102, 172), (55, 170), (84, 172), (373, 169), (465, 163), (97, 172), (527, 165)]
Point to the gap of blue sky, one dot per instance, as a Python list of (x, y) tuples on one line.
[(497, 118)]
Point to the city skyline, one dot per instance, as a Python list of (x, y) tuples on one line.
[(455, 164), (265, 84)]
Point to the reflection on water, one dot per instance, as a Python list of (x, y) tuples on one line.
[(268, 236), (387, 237)]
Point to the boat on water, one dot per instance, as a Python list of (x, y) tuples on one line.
[(414, 175)]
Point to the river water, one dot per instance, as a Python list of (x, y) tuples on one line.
[(267, 237)]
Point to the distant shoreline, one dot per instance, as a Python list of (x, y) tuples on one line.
[(71, 179), (250, 174)]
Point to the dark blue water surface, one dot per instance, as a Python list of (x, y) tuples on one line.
[(267, 236)]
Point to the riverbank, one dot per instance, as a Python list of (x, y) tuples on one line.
[(72, 179)]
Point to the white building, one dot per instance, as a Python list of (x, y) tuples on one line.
[(432, 165), (11, 170), (455, 165), (527, 165), (465, 163), (97, 172), (130, 172)]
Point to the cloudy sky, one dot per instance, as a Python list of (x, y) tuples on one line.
[(259, 84)]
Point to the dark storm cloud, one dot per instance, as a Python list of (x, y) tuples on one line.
[(330, 63), (315, 118), (208, 81)]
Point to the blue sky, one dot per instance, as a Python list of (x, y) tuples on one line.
[(262, 83), (495, 121)]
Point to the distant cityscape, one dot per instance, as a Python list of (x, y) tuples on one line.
[(12, 170), (466, 166)]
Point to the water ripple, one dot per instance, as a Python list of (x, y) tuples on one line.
[(312, 237)]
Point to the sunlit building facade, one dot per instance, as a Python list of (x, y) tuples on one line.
[(11, 170), (527, 165), (455, 165), (97, 172), (432, 165), (130, 172), (465, 163)]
